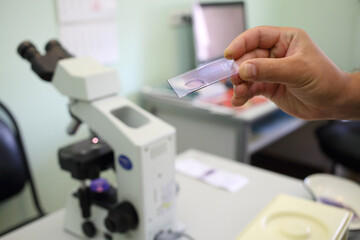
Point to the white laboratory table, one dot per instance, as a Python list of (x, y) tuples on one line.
[(208, 213), (220, 130)]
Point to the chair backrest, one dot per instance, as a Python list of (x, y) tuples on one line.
[(12, 169), (340, 141)]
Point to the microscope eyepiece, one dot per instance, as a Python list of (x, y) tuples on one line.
[(55, 48), (51, 44), (28, 51)]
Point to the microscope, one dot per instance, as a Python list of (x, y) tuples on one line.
[(138, 146)]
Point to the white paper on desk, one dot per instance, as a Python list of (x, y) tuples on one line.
[(192, 168), (231, 182)]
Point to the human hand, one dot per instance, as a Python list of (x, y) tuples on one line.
[(285, 65)]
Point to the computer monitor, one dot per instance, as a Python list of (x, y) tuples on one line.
[(215, 25)]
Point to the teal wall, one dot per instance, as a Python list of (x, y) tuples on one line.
[(150, 51), (332, 24)]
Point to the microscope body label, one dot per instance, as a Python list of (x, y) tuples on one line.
[(125, 162)]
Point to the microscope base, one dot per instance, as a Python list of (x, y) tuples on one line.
[(74, 223), (74, 220)]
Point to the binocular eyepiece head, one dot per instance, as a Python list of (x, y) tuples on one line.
[(43, 65), (28, 50)]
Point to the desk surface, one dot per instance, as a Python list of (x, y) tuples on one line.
[(208, 213)]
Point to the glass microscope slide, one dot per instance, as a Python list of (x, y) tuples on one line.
[(203, 76)]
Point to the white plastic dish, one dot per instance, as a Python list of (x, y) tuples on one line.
[(336, 191)]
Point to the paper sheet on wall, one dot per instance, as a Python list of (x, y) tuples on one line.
[(89, 28), (228, 181)]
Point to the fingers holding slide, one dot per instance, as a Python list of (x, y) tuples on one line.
[(257, 53), (258, 37), (245, 91)]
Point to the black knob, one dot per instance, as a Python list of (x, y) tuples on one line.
[(89, 229), (122, 218), (108, 236)]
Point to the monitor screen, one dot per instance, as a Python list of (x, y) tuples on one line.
[(215, 25)]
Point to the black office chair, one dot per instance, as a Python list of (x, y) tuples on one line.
[(14, 169), (340, 141)]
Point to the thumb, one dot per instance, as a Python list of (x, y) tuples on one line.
[(276, 70)]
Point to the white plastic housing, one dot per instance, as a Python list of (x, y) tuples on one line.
[(149, 146), (85, 79)]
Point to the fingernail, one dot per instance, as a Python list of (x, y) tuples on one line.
[(234, 91), (248, 71), (227, 55)]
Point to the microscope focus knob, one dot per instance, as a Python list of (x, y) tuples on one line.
[(89, 229), (122, 218)]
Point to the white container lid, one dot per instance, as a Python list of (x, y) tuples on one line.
[(292, 218), (336, 191)]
